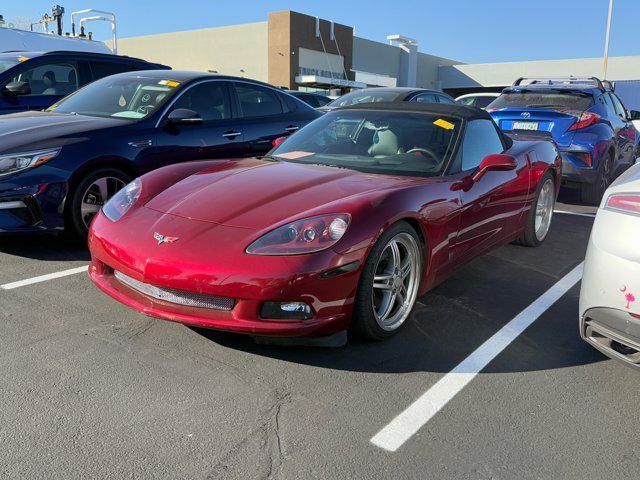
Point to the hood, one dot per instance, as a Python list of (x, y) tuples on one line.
[(41, 129), (256, 193)]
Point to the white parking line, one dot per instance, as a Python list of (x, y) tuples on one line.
[(579, 214), (405, 425), (43, 278)]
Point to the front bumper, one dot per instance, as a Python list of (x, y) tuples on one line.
[(33, 200), (246, 279)]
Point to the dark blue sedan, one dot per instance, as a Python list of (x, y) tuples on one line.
[(593, 130), (58, 167)]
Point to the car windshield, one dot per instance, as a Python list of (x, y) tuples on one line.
[(553, 99), (132, 97), (364, 96), (8, 61), (385, 142)]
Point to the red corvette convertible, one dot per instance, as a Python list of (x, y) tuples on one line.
[(342, 226)]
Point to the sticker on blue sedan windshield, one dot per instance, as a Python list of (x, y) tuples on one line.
[(169, 83)]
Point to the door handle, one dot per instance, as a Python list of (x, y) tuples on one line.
[(231, 134), (291, 128)]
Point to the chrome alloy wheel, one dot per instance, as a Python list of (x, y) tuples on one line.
[(544, 209), (395, 282), (98, 193)]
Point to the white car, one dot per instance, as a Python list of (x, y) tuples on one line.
[(610, 292), (480, 100)]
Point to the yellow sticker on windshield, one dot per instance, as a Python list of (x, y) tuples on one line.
[(169, 83), (444, 124), (23, 59)]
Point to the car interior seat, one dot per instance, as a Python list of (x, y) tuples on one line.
[(50, 83), (385, 143)]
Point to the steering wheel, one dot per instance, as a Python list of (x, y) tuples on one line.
[(426, 152)]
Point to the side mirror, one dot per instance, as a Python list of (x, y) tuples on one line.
[(497, 161), (17, 88), (184, 116), (634, 115)]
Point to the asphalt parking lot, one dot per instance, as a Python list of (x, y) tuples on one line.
[(91, 389)]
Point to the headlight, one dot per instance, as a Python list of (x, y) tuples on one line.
[(302, 236), (16, 162), (122, 201)]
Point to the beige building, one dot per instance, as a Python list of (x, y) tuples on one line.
[(292, 50), (298, 51)]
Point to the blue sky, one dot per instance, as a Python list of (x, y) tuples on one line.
[(471, 31)]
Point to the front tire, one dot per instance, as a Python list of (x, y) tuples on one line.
[(389, 283), (540, 214), (88, 196)]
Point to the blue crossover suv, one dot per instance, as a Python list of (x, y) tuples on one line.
[(589, 123)]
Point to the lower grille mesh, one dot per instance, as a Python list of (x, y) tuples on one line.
[(179, 297)]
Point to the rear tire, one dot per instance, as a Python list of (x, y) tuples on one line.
[(389, 282), (88, 196), (592, 193), (540, 215)]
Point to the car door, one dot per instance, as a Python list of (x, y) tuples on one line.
[(624, 130), (265, 116), (491, 207), (49, 81), (218, 136)]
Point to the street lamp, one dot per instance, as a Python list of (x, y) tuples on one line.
[(606, 42)]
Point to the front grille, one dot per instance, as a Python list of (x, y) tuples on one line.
[(179, 297)]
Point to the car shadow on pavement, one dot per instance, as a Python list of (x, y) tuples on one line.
[(455, 318), (436, 339), (45, 246)]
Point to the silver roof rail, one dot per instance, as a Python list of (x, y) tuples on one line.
[(561, 80)]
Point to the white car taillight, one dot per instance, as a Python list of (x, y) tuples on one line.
[(624, 202)]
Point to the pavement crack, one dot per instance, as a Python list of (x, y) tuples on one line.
[(265, 439)]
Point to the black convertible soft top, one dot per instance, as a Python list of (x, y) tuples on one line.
[(460, 111)]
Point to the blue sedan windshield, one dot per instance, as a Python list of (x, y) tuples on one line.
[(133, 97)]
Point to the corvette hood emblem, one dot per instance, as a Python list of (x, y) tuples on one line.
[(162, 239)]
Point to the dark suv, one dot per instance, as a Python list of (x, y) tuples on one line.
[(37, 80)]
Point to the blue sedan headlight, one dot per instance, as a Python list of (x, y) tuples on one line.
[(122, 201), (16, 162)]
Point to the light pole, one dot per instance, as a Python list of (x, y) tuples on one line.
[(606, 42)]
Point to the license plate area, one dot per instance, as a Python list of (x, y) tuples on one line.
[(525, 125)]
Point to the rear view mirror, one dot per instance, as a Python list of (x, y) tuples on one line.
[(496, 161), (184, 116), (17, 88), (634, 115)]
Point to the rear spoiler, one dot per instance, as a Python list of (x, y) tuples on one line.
[(594, 81)]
